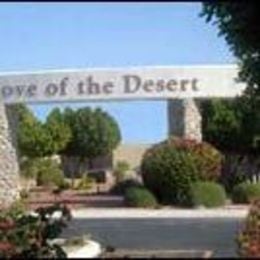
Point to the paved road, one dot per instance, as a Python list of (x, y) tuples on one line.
[(171, 233)]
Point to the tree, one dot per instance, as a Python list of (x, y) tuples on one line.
[(239, 23), (33, 140), (22, 112), (221, 125), (94, 133), (249, 107), (37, 139), (225, 122), (58, 130)]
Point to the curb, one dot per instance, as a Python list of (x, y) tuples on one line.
[(127, 213), (147, 254)]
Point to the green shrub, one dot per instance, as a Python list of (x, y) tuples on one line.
[(85, 183), (246, 192), (248, 239), (48, 173), (99, 176), (233, 170), (64, 185), (28, 168), (208, 194), (17, 208), (139, 197), (61, 187), (120, 170), (120, 187), (26, 235), (170, 167), (24, 194)]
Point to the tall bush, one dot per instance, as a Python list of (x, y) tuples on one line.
[(248, 239), (232, 171), (169, 168), (221, 124)]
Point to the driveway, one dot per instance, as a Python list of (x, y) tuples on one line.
[(217, 234)]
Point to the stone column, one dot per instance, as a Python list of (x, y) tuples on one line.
[(184, 119), (12, 119), (9, 170)]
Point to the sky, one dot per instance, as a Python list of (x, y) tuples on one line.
[(45, 36)]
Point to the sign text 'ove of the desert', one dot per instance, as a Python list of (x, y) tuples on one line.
[(152, 83)]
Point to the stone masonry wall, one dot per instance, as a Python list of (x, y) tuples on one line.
[(9, 171), (184, 118), (12, 119)]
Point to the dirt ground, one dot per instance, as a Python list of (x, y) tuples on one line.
[(39, 197)]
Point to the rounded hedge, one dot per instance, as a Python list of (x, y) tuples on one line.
[(139, 197), (169, 168), (245, 192), (121, 187), (207, 194)]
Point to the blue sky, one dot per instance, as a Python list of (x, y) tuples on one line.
[(81, 35)]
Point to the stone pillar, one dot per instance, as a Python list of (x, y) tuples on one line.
[(12, 119), (9, 170), (184, 119)]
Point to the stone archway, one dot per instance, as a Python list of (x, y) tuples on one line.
[(181, 86)]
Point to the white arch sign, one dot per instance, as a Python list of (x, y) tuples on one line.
[(170, 82)]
